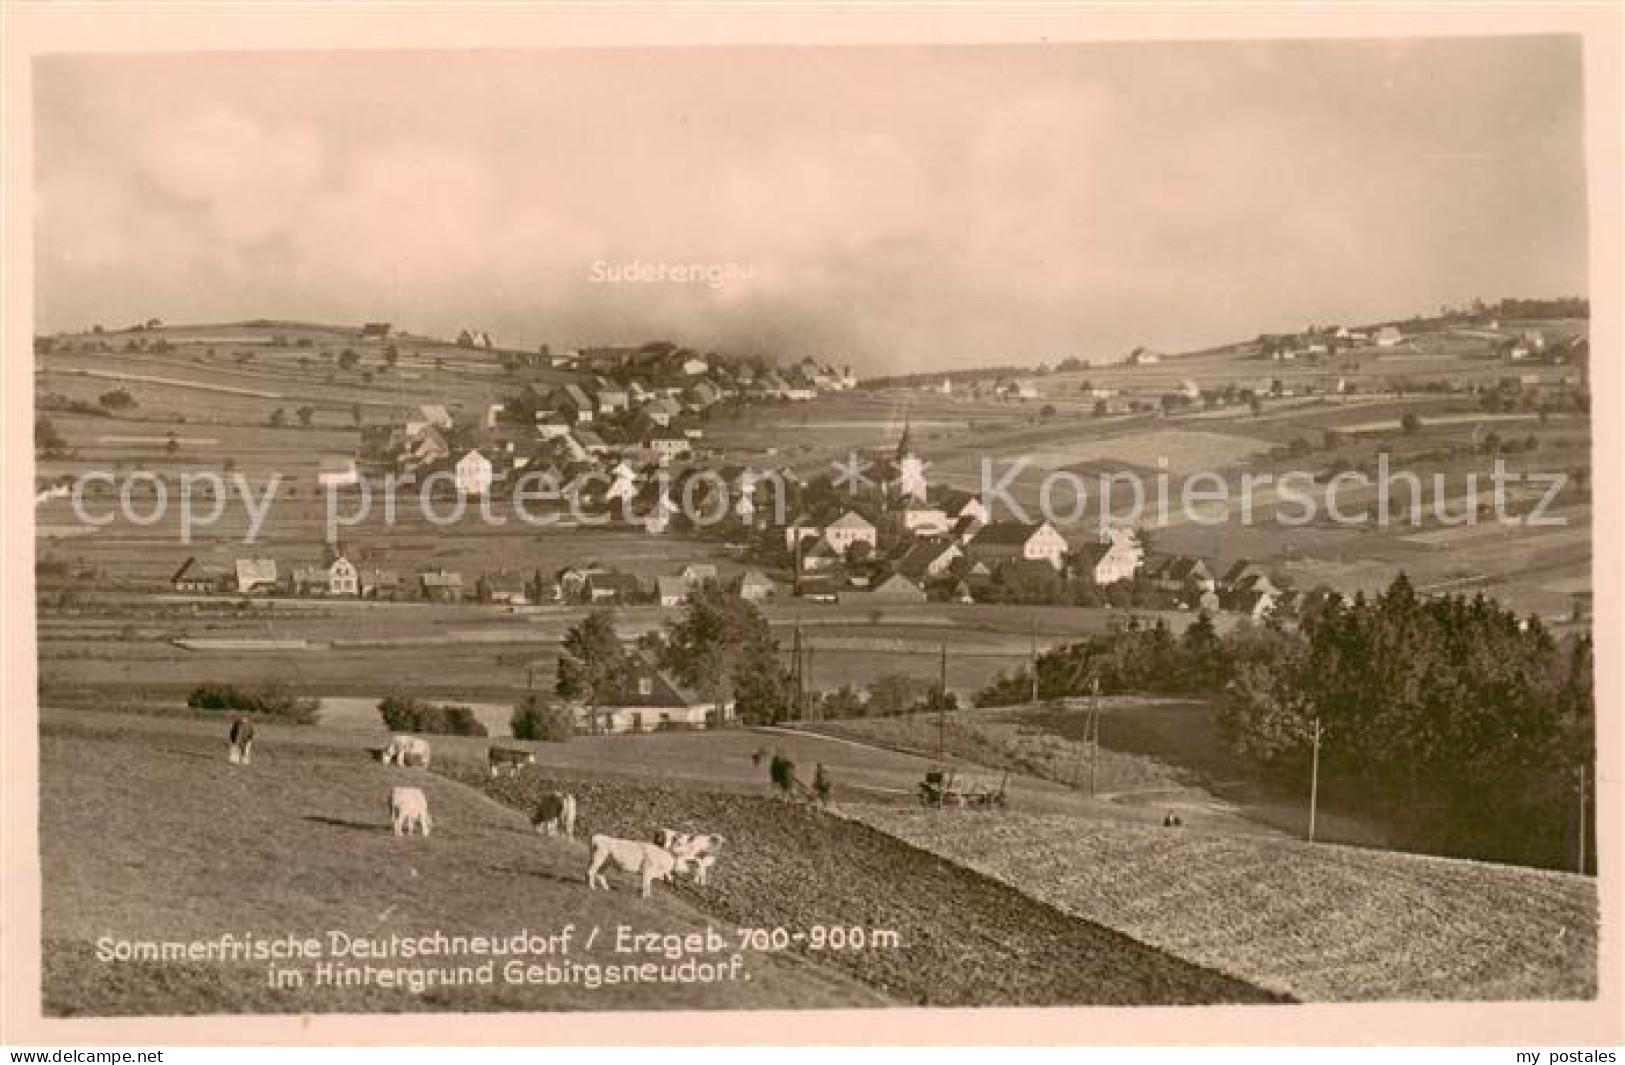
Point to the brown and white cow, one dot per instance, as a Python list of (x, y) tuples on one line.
[(555, 813), (693, 851)]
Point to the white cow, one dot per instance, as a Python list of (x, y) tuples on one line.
[(556, 812), (407, 750), (408, 809), (691, 849), (650, 861)]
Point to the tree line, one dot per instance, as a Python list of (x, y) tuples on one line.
[(1452, 716)]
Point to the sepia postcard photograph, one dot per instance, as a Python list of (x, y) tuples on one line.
[(807, 525)]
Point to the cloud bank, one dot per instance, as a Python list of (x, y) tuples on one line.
[(898, 208)]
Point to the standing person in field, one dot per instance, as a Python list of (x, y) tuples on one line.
[(242, 741), (823, 786)]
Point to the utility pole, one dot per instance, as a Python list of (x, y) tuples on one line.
[(1582, 832), (801, 686), (1314, 781), (1094, 732), (1032, 657), (942, 705)]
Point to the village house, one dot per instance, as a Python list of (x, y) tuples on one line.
[(666, 445), (573, 403), (1117, 557), (200, 578), (819, 557), (425, 448), (850, 528), (256, 575), (551, 425), (929, 559), (1180, 574), (1247, 575), (703, 394), (611, 398), (572, 581), (671, 591), (441, 586), (375, 331), (337, 576), (503, 587), (1254, 603), (896, 588), (379, 584), (1388, 336), (606, 586), (336, 471), (661, 410), (428, 416), (699, 573), (473, 474), (1001, 541), (755, 586), (818, 588), (590, 443), (926, 521)]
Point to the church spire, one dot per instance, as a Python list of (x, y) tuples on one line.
[(905, 445)]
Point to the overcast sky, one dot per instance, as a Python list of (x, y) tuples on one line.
[(901, 209)]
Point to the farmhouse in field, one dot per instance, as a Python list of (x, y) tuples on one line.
[(1003, 541), (652, 700)]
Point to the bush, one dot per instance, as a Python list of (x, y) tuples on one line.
[(404, 714), (272, 700), (782, 771), (535, 719)]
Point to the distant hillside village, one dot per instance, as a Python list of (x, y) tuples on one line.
[(1506, 333)]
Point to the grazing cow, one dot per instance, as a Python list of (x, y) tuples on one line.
[(242, 741), (407, 750), (650, 861), (510, 759), (555, 813), (691, 849), (408, 809)]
